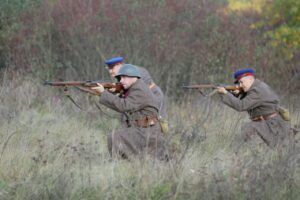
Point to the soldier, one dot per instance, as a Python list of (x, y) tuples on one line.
[(261, 103), (143, 132), (113, 66)]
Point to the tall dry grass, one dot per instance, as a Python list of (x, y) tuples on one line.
[(52, 150), (49, 149)]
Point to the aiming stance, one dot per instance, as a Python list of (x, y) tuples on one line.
[(113, 66), (262, 105), (142, 133)]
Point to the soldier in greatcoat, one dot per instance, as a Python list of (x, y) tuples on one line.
[(142, 133), (113, 66), (261, 103)]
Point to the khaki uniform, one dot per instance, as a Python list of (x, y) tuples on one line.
[(142, 133), (261, 103)]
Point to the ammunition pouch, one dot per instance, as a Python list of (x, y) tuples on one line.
[(164, 125), (284, 113)]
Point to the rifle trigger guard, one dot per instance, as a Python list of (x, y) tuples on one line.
[(66, 89)]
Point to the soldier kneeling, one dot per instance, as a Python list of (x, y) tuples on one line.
[(262, 104), (143, 132)]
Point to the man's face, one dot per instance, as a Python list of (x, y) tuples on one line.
[(114, 69), (127, 81), (246, 82)]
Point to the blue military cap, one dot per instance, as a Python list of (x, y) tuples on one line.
[(114, 60), (240, 73)]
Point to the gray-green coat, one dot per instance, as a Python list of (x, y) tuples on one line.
[(261, 100), (132, 140), (159, 95)]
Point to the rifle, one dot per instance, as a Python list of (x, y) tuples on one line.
[(207, 86), (229, 88), (86, 85)]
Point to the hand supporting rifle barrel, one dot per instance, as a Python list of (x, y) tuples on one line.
[(85, 86)]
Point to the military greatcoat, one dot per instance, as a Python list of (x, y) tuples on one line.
[(159, 95), (261, 103), (143, 132)]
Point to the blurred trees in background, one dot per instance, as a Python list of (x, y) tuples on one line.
[(281, 19), (179, 41), (10, 15)]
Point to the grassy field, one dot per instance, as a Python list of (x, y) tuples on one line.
[(52, 150)]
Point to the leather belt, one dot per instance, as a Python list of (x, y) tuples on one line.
[(264, 117), (145, 122)]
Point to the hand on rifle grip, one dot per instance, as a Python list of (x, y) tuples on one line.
[(236, 91), (112, 89)]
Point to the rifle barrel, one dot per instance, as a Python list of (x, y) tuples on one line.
[(199, 86), (63, 83), (205, 86), (75, 83), (80, 84)]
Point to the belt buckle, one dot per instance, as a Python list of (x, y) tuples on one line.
[(151, 122), (258, 119)]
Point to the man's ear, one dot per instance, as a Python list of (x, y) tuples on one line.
[(118, 78)]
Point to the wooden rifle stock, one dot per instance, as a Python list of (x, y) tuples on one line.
[(212, 86), (86, 85)]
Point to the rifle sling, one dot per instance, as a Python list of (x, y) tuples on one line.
[(71, 99), (78, 106)]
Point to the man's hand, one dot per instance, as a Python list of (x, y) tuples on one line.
[(99, 89), (113, 89), (221, 90), (236, 92)]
